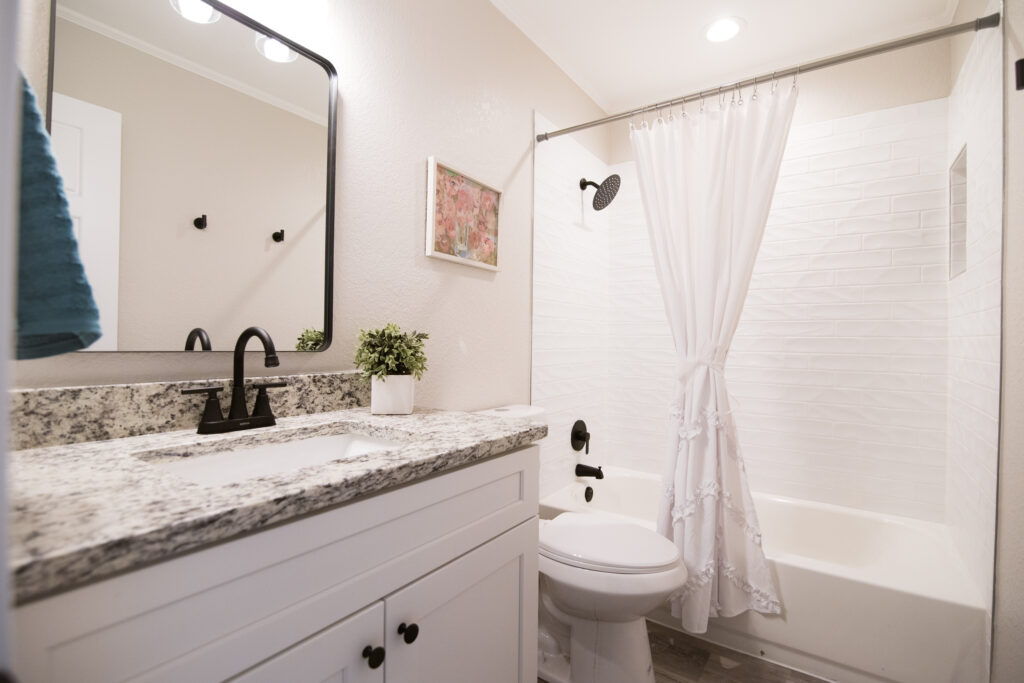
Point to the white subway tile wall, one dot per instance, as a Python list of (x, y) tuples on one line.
[(570, 304), (975, 120)]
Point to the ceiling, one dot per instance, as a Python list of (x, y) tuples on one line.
[(626, 54)]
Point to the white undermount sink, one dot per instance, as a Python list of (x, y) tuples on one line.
[(228, 467)]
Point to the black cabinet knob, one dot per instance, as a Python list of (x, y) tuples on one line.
[(409, 632), (375, 655)]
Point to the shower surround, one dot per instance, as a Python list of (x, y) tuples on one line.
[(860, 375)]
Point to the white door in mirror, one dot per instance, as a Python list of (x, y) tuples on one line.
[(393, 396), (87, 144)]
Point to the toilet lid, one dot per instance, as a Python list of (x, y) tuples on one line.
[(593, 542)]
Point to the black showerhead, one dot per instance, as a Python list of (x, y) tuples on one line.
[(606, 191)]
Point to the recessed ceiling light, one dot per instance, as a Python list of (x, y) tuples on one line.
[(274, 49), (723, 29), (196, 11)]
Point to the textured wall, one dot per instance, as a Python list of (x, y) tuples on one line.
[(570, 311), (451, 78), (976, 120)]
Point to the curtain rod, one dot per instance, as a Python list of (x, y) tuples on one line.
[(991, 21)]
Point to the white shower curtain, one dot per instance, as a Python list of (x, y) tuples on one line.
[(707, 181)]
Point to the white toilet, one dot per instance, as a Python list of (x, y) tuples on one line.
[(598, 580)]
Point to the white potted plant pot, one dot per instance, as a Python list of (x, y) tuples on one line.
[(392, 396)]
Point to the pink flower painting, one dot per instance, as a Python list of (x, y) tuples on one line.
[(463, 224)]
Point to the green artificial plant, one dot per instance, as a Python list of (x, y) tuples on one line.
[(389, 351), (310, 340)]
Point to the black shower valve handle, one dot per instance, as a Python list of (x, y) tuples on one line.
[(580, 437)]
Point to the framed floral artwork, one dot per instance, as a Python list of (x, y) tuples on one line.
[(462, 217)]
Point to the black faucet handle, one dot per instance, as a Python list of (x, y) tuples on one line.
[(262, 386), (261, 408), (212, 391), (212, 411)]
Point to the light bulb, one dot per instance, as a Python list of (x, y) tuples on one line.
[(273, 49), (196, 11), (723, 29)]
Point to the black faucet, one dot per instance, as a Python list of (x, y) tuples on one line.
[(213, 421), (588, 471), (238, 409), (200, 334)]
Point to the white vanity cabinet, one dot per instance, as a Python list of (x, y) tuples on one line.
[(332, 655), (453, 557)]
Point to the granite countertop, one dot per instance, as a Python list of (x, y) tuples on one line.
[(87, 511)]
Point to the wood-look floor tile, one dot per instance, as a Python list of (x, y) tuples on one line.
[(681, 658), (678, 654)]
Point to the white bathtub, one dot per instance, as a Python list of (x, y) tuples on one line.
[(866, 597)]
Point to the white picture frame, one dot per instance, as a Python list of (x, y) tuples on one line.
[(462, 217)]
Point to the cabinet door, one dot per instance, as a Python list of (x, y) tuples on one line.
[(475, 617), (335, 655)]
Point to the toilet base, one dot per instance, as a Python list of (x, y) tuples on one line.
[(601, 652)]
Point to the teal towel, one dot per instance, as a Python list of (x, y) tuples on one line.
[(56, 311)]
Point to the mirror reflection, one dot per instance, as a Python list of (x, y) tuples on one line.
[(195, 156)]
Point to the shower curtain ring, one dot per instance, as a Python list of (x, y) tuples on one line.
[(795, 76), (775, 83)]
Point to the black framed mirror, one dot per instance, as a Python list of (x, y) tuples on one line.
[(198, 151)]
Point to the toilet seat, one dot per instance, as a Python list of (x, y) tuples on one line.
[(599, 544)]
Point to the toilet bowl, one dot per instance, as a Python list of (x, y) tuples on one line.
[(598, 580)]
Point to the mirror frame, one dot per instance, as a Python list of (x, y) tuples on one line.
[(332, 155)]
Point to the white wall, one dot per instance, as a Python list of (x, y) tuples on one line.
[(33, 43), (915, 74), (966, 10), (452, 78), (976, 120), (1008, 655), (640, 346), (839, 362), (570, 312)]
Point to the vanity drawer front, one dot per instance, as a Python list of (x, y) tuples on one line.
[(219, 611)]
